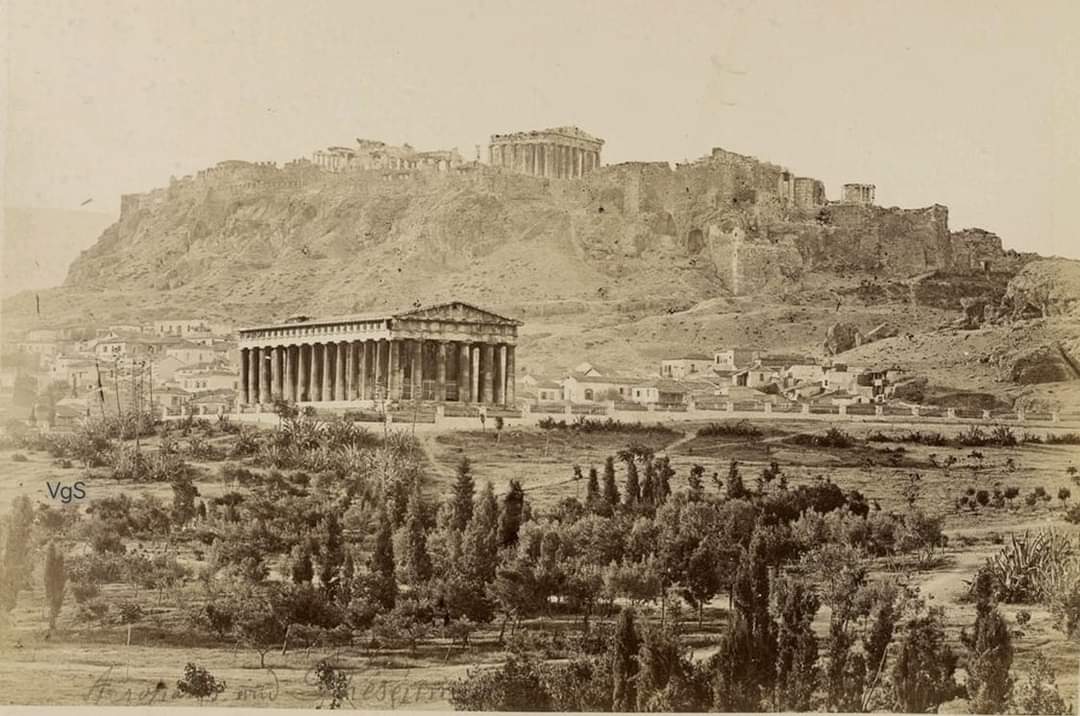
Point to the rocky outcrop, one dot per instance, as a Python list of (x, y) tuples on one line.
[(841, 337), (1044, 364), (976, 312), (1047, 287), (884, 330)]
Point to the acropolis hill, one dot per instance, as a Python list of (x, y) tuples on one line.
[(620, 260)]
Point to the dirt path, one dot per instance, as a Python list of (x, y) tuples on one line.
[(946, 584)]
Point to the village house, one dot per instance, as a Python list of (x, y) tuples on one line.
[(581, 388), (688, 365), (675, 392), (731, 360), (164, 367), (755, 377), (217, 402), (842, 377), (41, 348), (193, 353), (206, 377), (181, 327), (75, 371), (117, 346), (540, 389), (171, 400)]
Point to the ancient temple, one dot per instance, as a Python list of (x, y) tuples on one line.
[(450, 352), (561, 152)]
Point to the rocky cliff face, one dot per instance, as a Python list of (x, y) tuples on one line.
[(1048, 287), (252, 237)]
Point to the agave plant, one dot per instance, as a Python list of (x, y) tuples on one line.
[(303, 432), (1032, 567)]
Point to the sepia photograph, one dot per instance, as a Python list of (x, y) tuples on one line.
[(570, 356)]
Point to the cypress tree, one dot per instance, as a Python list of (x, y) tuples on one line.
[(332, 554), (462, 501), (734, 486), (55, 579), (989, 658), (15, 569), (481, 544), (302, 569), (649, 486), (510, 514), (611, 489), (592, 489), (624, 666), (664, 473), (796, 645), (381, 563), (633, 488), (696, 481), (417, 561)]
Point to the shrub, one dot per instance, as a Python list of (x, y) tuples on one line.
[(333, 683), (1063, 439), (95, 609), (1038, 694), (833, 438), (231, 472), (199, 683), (129, 612), (584, 424), (730, 429), (84, 591), (1073, 515), (19, 457)]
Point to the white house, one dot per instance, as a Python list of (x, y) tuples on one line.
[(734, 359), (581, 388), (690, 365)]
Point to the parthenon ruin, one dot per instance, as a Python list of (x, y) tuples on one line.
[(451, 352), (561, 152)]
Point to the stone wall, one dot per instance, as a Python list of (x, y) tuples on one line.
[(905, 242)]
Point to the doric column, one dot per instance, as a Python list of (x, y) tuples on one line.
[(440, 373), (499, 396), (339, 372), (474, 374), (379, 391), (243, 397), (353, 367), (302, 364), (393, 384), (315, 374), (488, 367), (362, 360), (287, 379), (253, 375), (275, 372), (417, 370), (264, 375), (327, 371), (464, 380), (511, 378)]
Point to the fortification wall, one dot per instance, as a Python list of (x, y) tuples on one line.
[(904, 241)]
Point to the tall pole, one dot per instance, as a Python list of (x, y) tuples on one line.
[(138, 417), (116, 384), (151, 387)]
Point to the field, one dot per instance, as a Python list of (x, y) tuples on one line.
[(81, 662)]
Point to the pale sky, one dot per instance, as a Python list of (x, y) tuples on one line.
[(975, 105)]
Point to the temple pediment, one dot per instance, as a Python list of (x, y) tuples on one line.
[(456, 312)]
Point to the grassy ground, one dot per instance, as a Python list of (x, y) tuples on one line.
[(80, 665)]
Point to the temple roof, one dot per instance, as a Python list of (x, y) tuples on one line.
[(454, 311)]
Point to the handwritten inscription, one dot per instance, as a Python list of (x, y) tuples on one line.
[(365, 687)]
